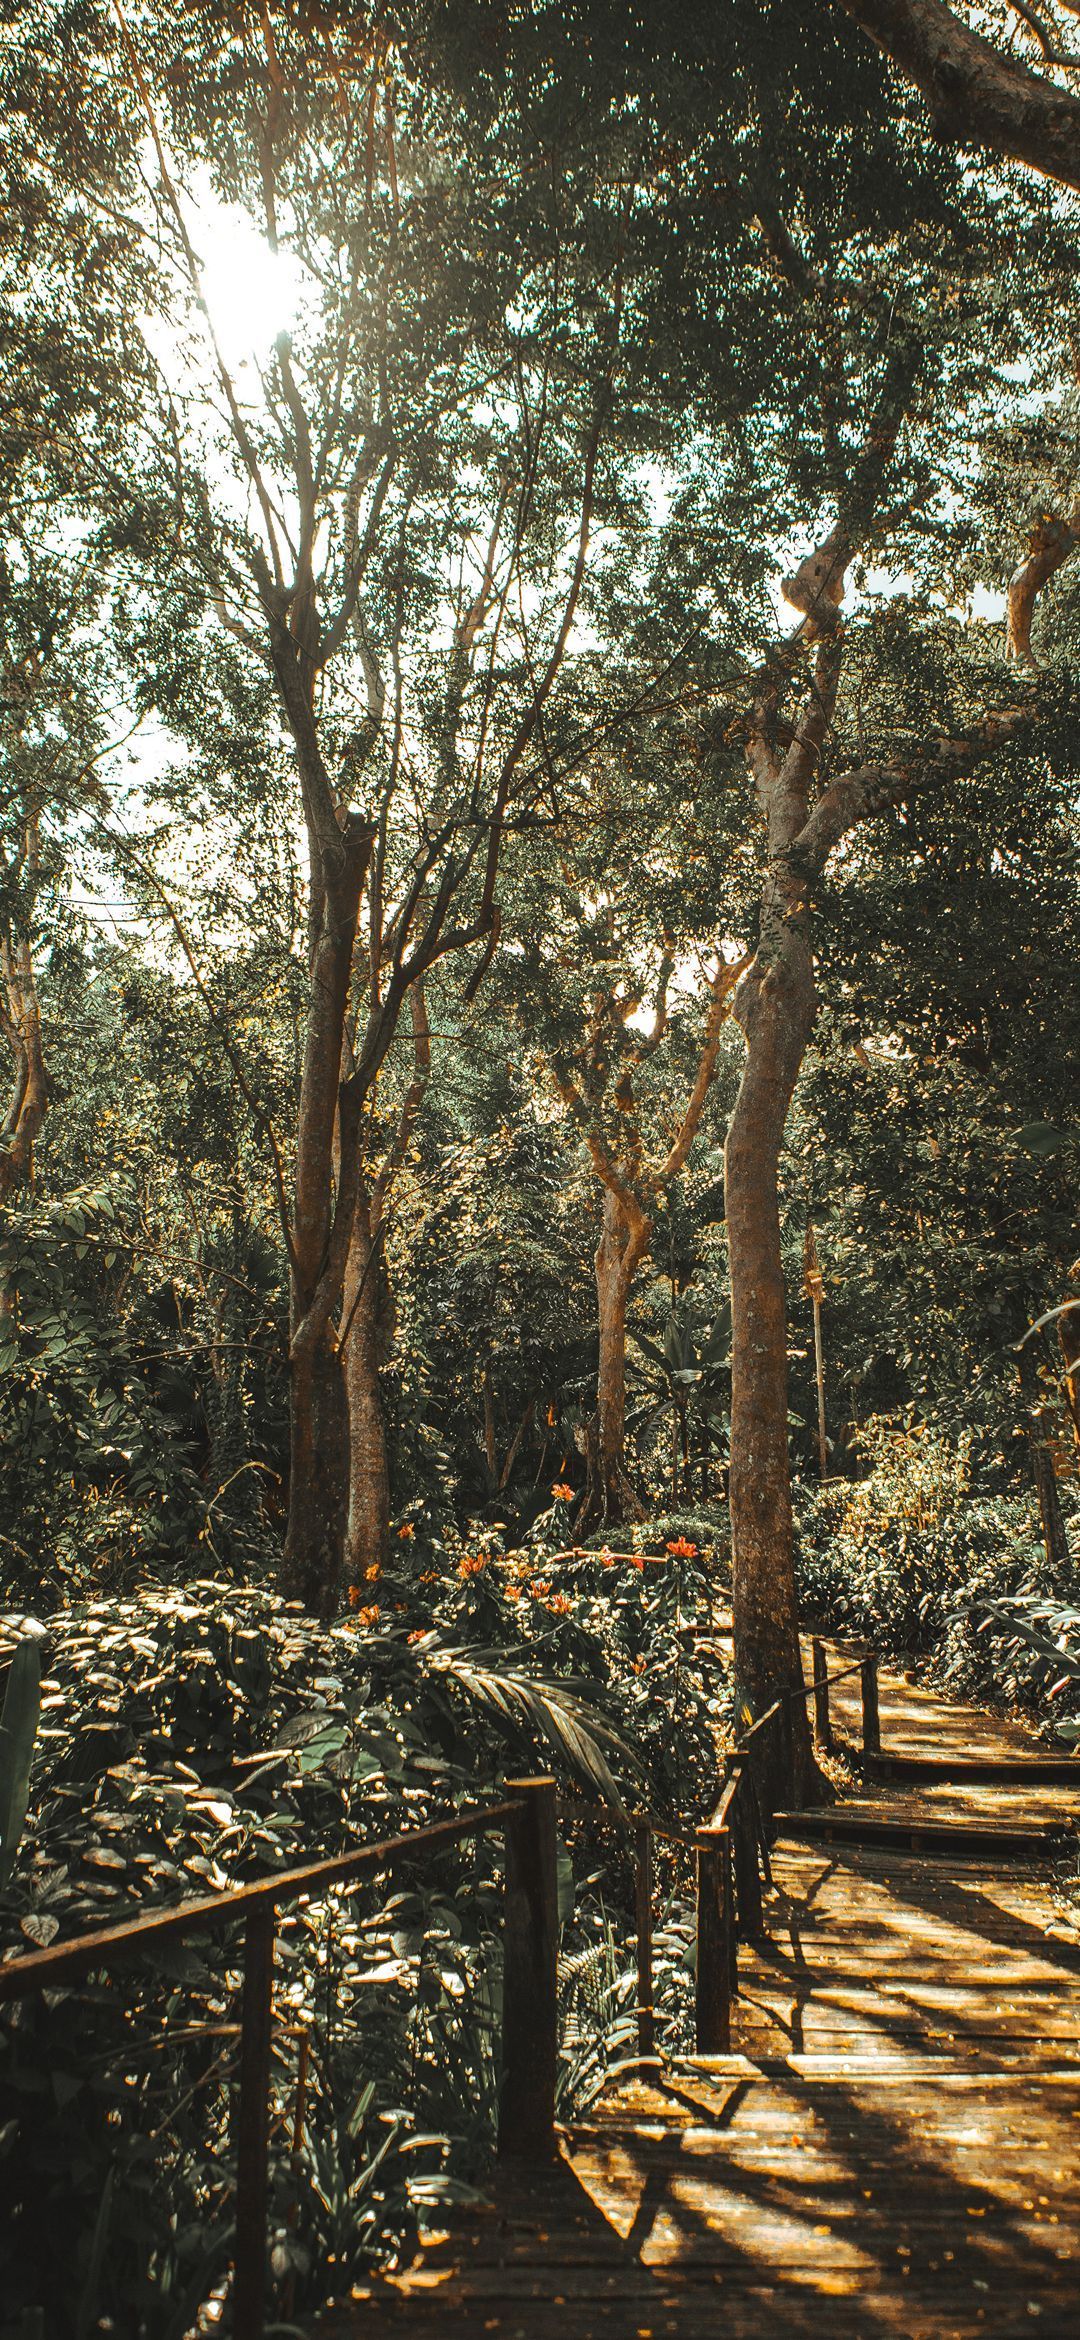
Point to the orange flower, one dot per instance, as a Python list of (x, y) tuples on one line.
[(372, 1574), (539, 1586), (607, 1559), (561, 1493), (418, 1635), (513, 1592), (354, 1595), (636, 1560), (472, 1564), (368, 1616), (405, 1532), (429, 1576), (681, 1550), (560, 1604), (639, 1665)]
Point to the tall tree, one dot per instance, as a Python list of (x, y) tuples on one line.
[(401, 530), (72, 378), (637, 1113)]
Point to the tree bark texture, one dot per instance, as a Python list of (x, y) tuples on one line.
[(610, 1497), (318, 1475), (20, 1020), (321, 1236), (775, 1008), (365, 1312), (978, 94)]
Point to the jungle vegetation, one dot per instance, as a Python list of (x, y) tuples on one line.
[(538, 974)]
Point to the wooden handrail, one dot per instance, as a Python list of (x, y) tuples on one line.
[(728, 1903), (529, 2031), (42, 1969), (728, 1848), (794, 1697)]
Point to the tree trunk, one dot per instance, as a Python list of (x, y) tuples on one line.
[(775, 1007), (318, 1476), (320, 1239), (609, 1497), (1036, 1424), (491, 1452), (20, 1020), (1069, 1343), (365, 1314)]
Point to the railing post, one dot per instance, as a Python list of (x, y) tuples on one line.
[(253, 2116), (643, 1885), (530, 1974), (744, 1844), (871, 1721), (822, 1723), (713, 1980)]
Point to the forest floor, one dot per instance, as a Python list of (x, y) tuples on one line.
[(893, 2147)]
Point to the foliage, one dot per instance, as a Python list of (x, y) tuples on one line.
[(197, 1736), (917, 1560), (476, 565), (96, 1445)]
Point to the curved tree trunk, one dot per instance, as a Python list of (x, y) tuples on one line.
[(609, 1496), (365, 1314), (775, 1008)]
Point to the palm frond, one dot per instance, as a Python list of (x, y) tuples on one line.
[(510, 1696)]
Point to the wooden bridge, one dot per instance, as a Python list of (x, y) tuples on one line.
[(880, 2132), (891, 2143)]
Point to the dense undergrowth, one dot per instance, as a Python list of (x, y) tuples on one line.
[(918, 1561), (195, 1736)]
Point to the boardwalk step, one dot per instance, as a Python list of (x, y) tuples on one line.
[(1002, 1771), (962, 1840)]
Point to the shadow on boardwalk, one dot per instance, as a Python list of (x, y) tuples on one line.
[(894, 2152)]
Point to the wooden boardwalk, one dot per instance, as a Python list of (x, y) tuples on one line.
[(894, 2149)]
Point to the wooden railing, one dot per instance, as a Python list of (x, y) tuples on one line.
[(732, 1855), (733, 1849), (526, 1813)]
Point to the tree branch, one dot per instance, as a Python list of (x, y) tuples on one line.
[(976, 95)]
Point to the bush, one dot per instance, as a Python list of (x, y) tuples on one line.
[(906, 1558), (197, 1736)]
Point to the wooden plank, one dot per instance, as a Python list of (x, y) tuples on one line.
[(1021, 1771), (891, 2145)]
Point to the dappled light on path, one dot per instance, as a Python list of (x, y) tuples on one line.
[(893, 2149)]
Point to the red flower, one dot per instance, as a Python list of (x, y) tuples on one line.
[(561, 1493), (681, 1550)]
